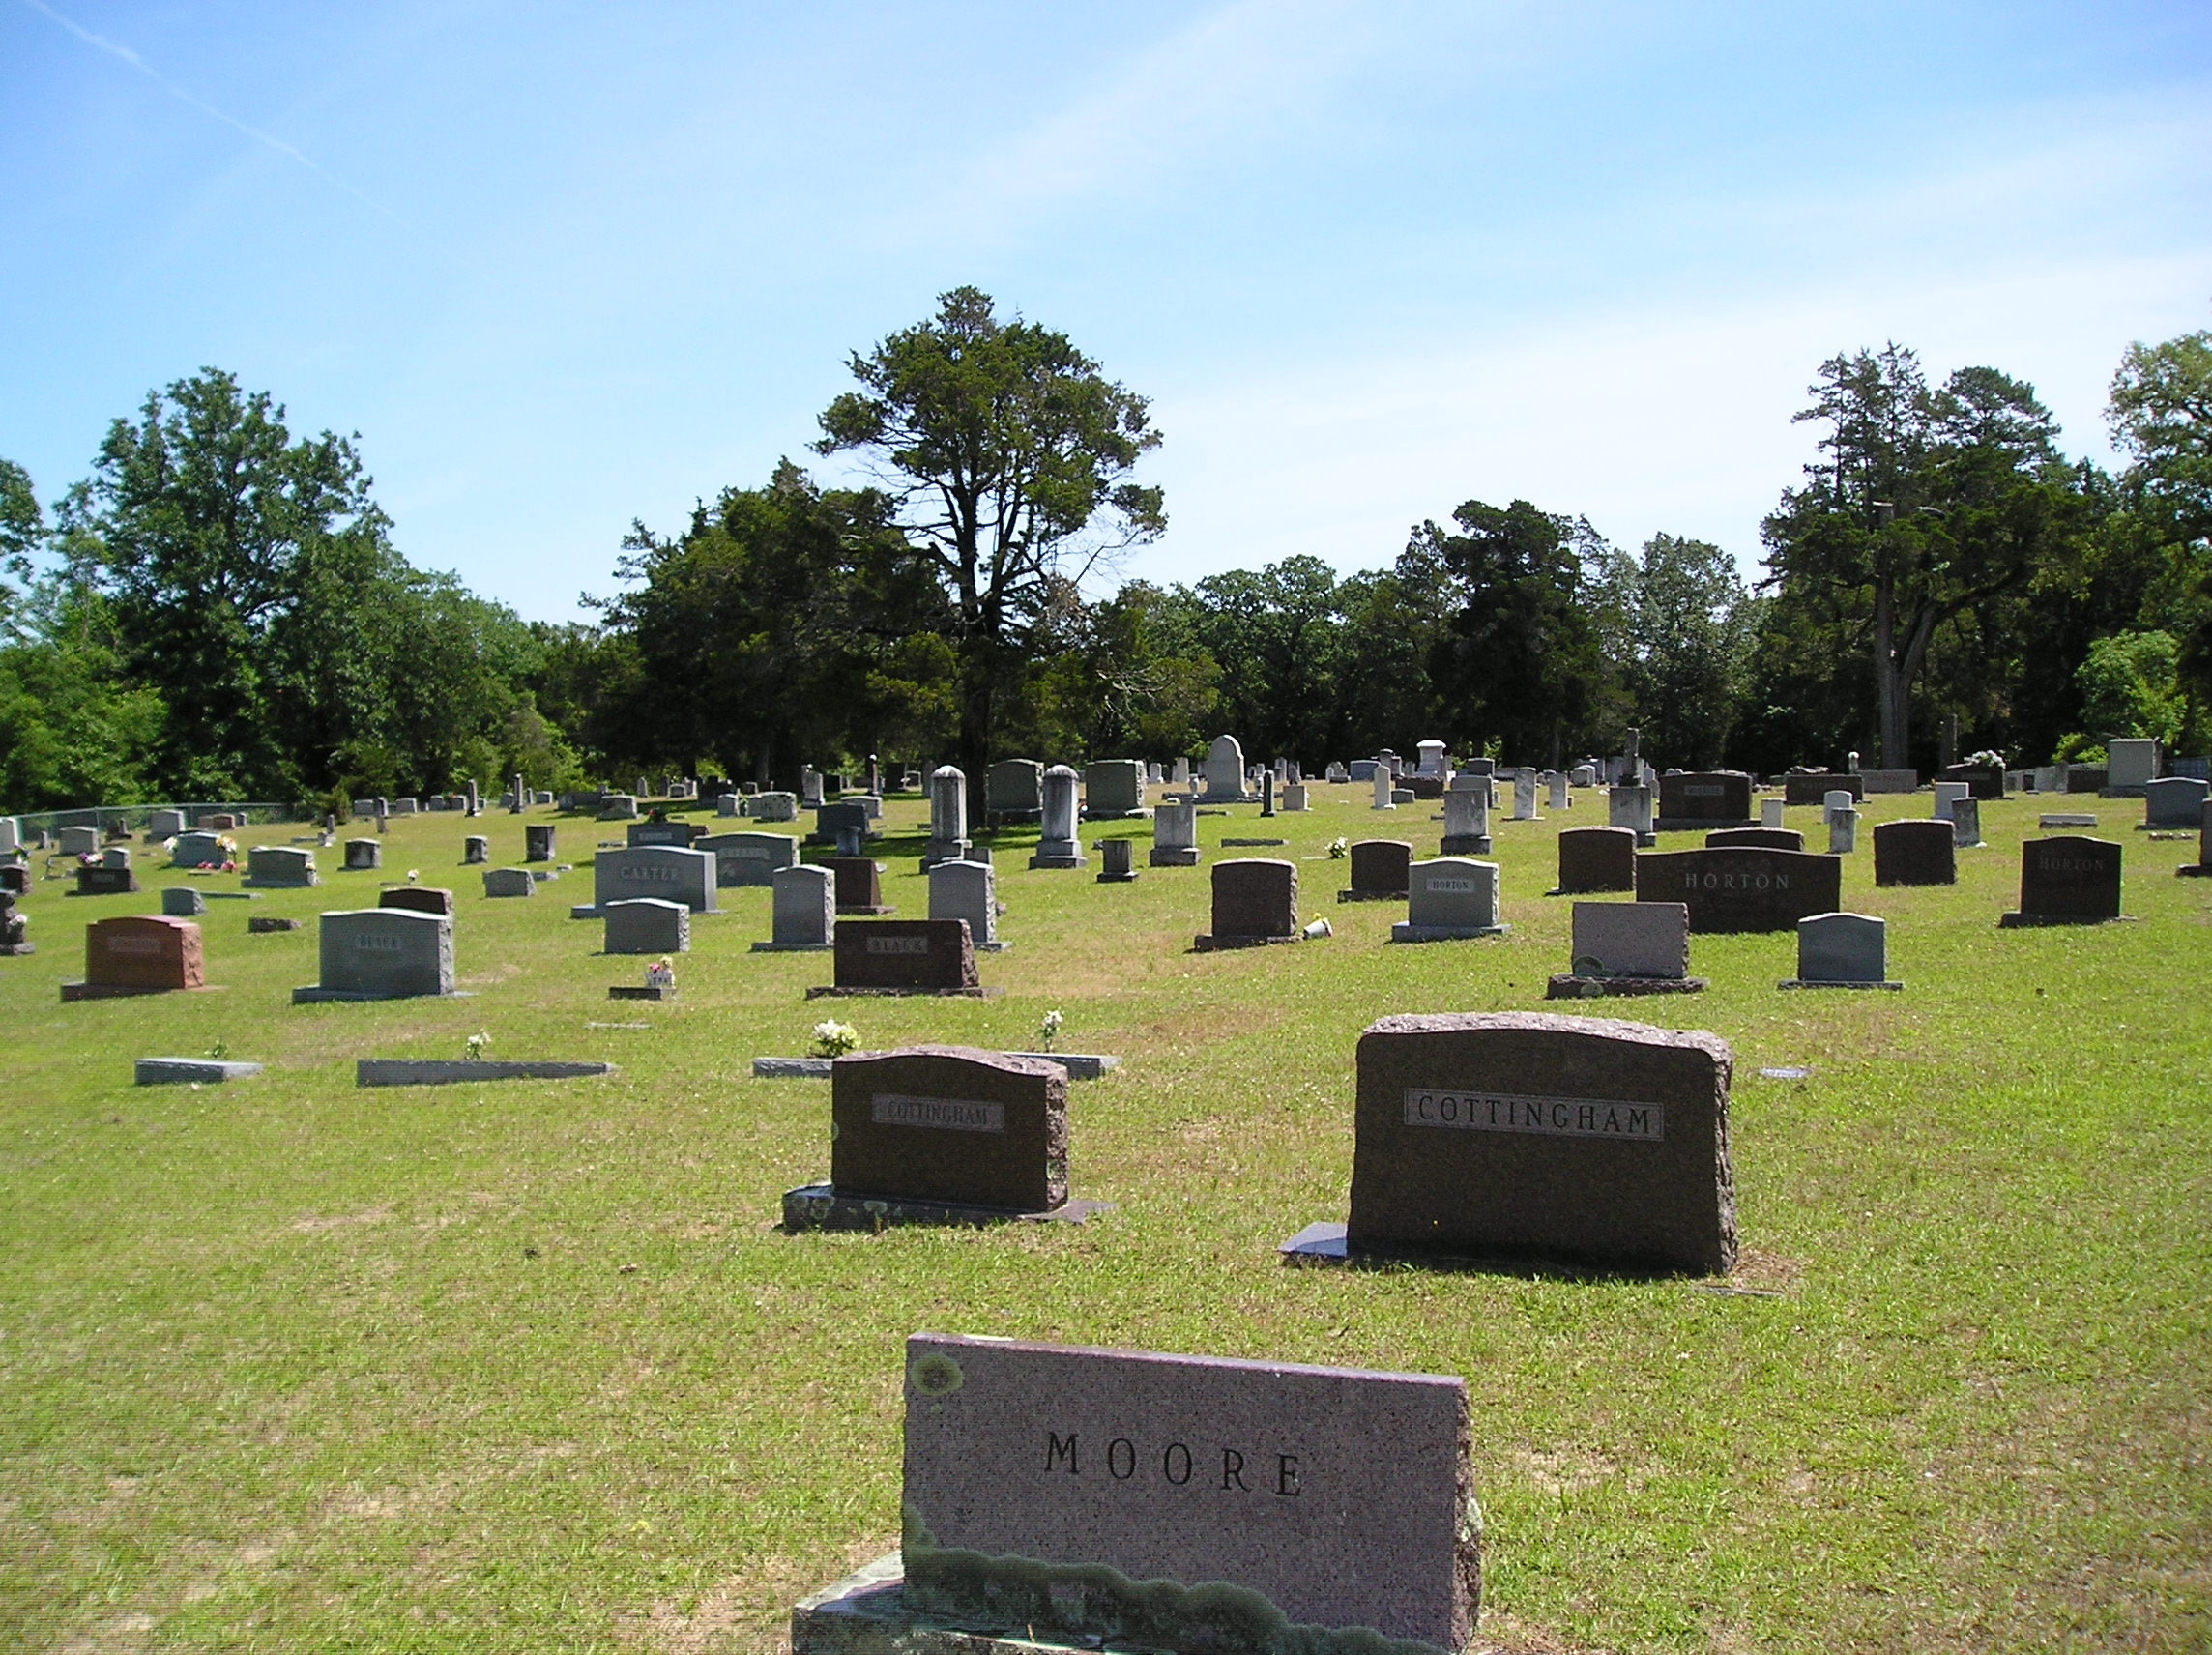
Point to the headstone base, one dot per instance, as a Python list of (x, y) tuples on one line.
[(865, 1613), (944, 851), (1325, 1244), (1184, 856), (1119, 879), (2065, 819), (315, 995), (819, 1207), (2186, 870), (1371, 896), (1080, 1065), (2119, 793), (1565, 985), (118, 991), (194, 1071), (1403, 932), (2020, 921), (17, 950), (641, 991), (794, 948), (1207, 943), (282, 884), (1467, 845), (454, 1071), (1247, 844), (261, 923), (1089, 815), (1700, 823), (1043, 860), (1801, 982), (858, 911), (833, 993)]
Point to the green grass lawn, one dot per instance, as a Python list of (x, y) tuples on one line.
[(288, 1365)]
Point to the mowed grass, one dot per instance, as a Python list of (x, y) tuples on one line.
[(290, 1365)]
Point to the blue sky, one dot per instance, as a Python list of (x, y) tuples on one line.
[(564, 266)]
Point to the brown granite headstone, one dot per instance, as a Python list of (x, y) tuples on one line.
[(1513, 1134), (1742, 890), (2067, 882), (422, 898), (1808, 787), (949, 1124), (1917, 851), (859, 884), (929, 954), (140, 953), (1255, 899), (1085, 1497), (1597, 859), (1761, 838), (1379, 869), (1703, 798)]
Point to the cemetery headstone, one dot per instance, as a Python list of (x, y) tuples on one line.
[(748, 859), (181, 902), (160, 826), (1594, 860), (1057, 846), (1842, 950), (774, 806), (1772, 838), (1333, 1509), (1915, 853), (1629, 804), (803, 911), (1812, 787), (138, 953), (280, 867), (80, 841), (1741, 889), (1946, 793), (1175, 834), (2202, 869), (944, 1134), (2131, 765), (15, 927), (362, 856), (1295, 798), (509, 881), (100, 879), (1524, 795), (221, 821), (382, 953), (1116, 861), (1014, 790), (1225, 771), (1842, 832), (1627, 949), (1385, 794), (1449, 898), (671, 872), (858, 886), (2067, 882), (948, 817), (1378, 871), (1704, 799), (904, 956), (1518, 1135), (646, 926), (1769, 813), (422, 898), (1966, 821), (968, 891), (538, 842), (658, 833), (1255, 901), (2174, 802), (1113, 790)]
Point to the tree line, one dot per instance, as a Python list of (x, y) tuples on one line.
[(218, 610)]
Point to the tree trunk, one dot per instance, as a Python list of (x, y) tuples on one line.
[(1892, 690)]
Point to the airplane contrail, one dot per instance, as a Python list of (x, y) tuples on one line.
[(116, 49)]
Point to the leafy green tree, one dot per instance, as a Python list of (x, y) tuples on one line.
[(1519, 664), (22, 534), (1008, 456), (2129, 688), (2160, 415), (1393, 622), (75, 728), (204, 526), (1927, 505), (1274, 634), (1687, 611)]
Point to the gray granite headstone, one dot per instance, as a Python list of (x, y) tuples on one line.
[(1194, 1503), (969, 891), (1743, 889), (280, 867), (1631, 940), (2131, 765), (1057, 846), (748, 859), (181, 902), (1225, 769), (539, 842), (1014, 788), (647, 925), (361, 854), (1113, 790), (1116, 861), (1966, 821), (775, 807), (947, 817), (802, 909), (1842, 950), (670, 872), (1467, 820), (2174, 802), (1449, 897), (1175, 834), (200, 851), (509, 881), (1629, 805), (383, 953)]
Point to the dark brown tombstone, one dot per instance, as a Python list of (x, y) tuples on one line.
[(1804, 787), (422, 898), (904, 956), (860, 885), (1596, 859), (95, 879), (1915, 853), (2067, 882), (949, 1124), (1704, 799), (1378, 871), (1742, 890), (1255, 901), (1765, 838)]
